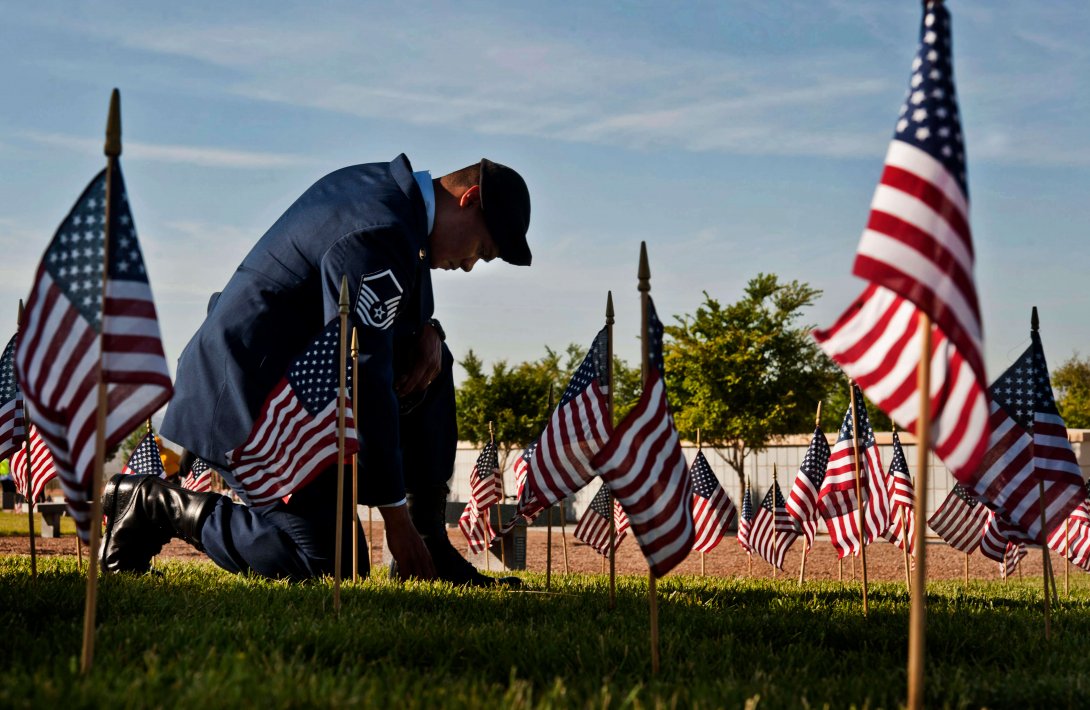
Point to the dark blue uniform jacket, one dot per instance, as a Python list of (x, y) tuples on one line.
[(366, 222)]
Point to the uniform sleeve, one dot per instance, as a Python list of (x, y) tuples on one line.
[(378, 270)]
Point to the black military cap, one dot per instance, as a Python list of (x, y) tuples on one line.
[(505, 202)]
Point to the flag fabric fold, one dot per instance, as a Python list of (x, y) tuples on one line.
[(42, 468), (145, 458), (960, 519), (58, 355), (802, 502), (917, 253), (199, 478), (12, 414), (643, 465), (593, 525), (1028, 445), (713, 510), (484, 493), (560, 463), (294, 437)]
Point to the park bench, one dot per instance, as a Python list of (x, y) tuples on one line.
[(51, 518)]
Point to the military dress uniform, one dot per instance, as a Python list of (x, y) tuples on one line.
[(369, 223)]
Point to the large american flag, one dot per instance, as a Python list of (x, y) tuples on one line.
[(59, 346), (199, 478), (960, 519), (560, 464), (1029, 444), (917, 253), (902, 497), (837, 500), (713, 510), (643, 465), (12, 416), (802, 502), (294, 438), (593, 526), (745, 521), (145, 458), (484, 492), (772, 531), (42, 468)]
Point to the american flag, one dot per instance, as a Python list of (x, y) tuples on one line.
[(145, 458), (837, 500), (643, 465), (59, 346), (199, 478), (960, 519), (593, 526), (42, 469), (745, 522), (295, 436), (527, 506), (12, 416), (1029, 444), (772, 531), (484, 492), (802, 503), (1072, 539), (917, 253), (560, 464), (713, 510), (996, 544), (902, 497)]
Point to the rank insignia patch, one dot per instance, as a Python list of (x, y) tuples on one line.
[(379, 297)]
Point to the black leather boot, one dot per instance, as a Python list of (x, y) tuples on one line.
[(143, 513), (427, 510)]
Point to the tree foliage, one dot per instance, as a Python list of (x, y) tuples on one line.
[(745, 372), (1071, 381)]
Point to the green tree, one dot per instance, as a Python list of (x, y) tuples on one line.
[(516, 398), (745, 372), (1071, 381)]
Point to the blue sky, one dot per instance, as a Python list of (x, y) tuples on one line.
[(733, 137)]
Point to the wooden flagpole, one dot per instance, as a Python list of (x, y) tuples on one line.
[(1067, 558), (702, 568), (563, 535), (79, 553), (355, 504), (609, 413), (859, 497), (644, 287), (29, 468), (917, 623), (549, 520), (775, 532), (338, 546), (1044, 556), (112, 149)]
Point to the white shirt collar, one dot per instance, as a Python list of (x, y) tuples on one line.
[(427, 189)]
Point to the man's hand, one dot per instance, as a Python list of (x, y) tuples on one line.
[(413, 558), (427, 363)]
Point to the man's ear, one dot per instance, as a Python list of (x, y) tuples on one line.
[(470, 197)]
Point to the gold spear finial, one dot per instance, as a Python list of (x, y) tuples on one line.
[(817, 417), (644, 273), (609, 308), (355, 343), (344, 294), (113, 126), (1034, 321)]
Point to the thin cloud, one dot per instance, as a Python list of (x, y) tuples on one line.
[(162, 153)]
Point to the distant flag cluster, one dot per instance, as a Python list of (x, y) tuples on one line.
[(67, 327), (12, 414), (484, 493)]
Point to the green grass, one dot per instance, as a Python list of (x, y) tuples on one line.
[(200, 638), (17, 524)]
